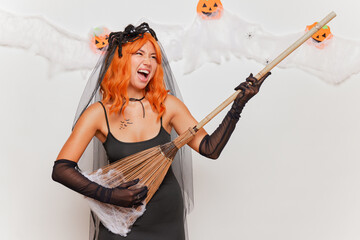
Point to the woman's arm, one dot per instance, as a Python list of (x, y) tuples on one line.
[(89, 124), (211, 145), (65, 170), (181, 120)]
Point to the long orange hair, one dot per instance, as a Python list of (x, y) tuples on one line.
[(117, 77)]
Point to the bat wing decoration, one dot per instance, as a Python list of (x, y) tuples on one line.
[(63, 49), (334, 59)]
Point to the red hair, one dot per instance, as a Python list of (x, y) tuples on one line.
[(117, 77)]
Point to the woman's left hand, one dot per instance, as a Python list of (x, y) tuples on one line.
[(249, 88)]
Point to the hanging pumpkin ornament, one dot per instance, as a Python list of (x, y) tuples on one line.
[(209, 9), (321, 37), (99, 39)]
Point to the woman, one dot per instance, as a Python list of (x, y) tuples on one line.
[(136, 113)]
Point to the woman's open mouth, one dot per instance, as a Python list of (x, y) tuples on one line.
[(143, 74)]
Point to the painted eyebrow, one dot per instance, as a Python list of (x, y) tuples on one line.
[(154, 53)]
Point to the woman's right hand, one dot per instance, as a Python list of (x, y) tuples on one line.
[(66, 172), (125, 197)]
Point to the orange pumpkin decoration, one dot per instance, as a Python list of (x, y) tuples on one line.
[(319, 39), (99, 40), (321, 35), (209, 9)]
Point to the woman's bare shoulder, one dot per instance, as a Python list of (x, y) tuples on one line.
[(172, 101), (95, 109), (93, 115), (175, 106)]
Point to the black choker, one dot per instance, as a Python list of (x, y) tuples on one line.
[(139, 100)]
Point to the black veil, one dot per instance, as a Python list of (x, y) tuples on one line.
[(94, 156)]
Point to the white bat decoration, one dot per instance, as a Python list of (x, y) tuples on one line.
[(203, 41)]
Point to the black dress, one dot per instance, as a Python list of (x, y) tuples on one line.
[(164, 215)]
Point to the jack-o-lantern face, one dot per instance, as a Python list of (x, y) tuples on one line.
[(321, 37), (209, 9), (99, 39), (322, 34)]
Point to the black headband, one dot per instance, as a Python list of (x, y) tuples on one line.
[(130, 34)]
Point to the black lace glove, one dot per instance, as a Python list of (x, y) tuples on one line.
[(211, 146), (66, 172)]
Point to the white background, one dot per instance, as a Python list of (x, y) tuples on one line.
[(290, 170)]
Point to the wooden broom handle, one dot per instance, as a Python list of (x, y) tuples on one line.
[(270, 66)]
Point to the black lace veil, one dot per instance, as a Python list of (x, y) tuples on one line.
[(94, 156)]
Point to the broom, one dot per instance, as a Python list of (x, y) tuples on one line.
[(151, 165)]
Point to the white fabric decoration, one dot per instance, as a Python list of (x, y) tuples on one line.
[(204, 41), (117, 219)]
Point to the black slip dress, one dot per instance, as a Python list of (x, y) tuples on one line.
[(164, 215)]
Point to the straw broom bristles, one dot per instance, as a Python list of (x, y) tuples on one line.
[(150, 165)]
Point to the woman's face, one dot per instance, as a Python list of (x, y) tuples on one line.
[(143, 66)]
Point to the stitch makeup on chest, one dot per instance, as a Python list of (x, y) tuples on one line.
[(125, 123)]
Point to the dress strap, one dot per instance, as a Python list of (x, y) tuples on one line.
[(107, 121)]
